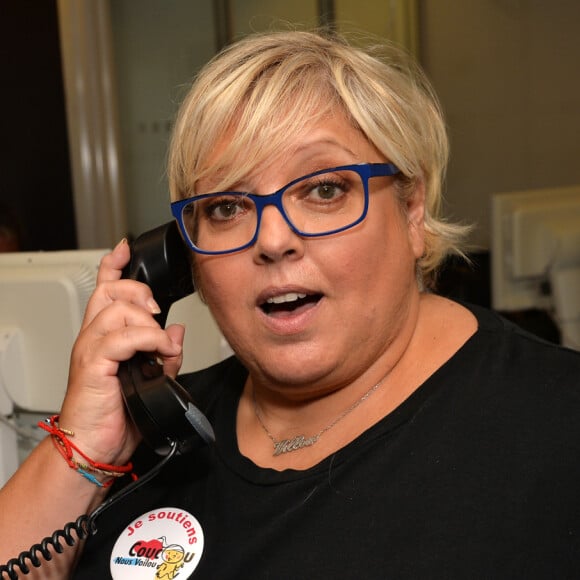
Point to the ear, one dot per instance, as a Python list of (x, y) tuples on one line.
[(416, 219)]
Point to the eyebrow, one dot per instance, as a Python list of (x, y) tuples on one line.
[(326, 141)]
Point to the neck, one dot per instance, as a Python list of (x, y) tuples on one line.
[(289, 416), (299, 442)]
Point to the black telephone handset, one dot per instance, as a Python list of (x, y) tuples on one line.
[(161, 408)]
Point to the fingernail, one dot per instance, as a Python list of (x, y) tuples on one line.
[(153, 306), (121, 243)]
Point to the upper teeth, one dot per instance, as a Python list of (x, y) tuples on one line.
[(290, 297)]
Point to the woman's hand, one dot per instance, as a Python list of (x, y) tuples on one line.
[(118, 322)]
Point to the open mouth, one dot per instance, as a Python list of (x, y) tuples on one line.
[(289, 302)]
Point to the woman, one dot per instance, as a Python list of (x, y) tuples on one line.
[(366, 427)]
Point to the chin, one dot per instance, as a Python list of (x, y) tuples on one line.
[(294, 366)]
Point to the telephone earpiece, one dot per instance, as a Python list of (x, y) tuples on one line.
[(161, 408)]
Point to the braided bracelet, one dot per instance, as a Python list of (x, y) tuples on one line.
[(88, 468)]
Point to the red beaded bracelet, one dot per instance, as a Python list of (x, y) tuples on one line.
[(87, 468)]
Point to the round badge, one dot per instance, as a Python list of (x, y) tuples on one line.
[(162, 544)]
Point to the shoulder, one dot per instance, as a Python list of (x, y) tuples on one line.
[(509, 396), (512, 373), (515, 376), (522, 349), (206, 385)]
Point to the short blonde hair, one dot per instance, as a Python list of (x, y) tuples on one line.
[(267, 88)]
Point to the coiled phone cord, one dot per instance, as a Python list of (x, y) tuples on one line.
[(83, 527)]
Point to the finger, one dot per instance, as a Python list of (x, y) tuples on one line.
[(126, 291), (101, 358), (172, 364), (115, 320), (124, 343), (119, 314), (176, 332), (112, 264)]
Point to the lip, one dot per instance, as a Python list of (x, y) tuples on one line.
[(290, 322), (274, 291)]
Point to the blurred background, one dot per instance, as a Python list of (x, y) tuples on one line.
[(91, 87)]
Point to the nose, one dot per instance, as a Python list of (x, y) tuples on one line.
[(276, 240)]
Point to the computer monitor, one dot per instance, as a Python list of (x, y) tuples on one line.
[(535, 252), (43, 296)]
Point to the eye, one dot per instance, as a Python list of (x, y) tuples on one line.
[(327, 189), (225, 208)]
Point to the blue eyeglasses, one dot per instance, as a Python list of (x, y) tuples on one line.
[(319, 204)]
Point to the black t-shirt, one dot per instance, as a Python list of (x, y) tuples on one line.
[(475, 475)]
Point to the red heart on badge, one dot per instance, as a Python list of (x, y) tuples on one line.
[(150, 549)]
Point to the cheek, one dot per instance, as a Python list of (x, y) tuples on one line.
[(387, 255), (222, 281), (213, 274)]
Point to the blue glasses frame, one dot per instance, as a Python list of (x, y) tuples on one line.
[(364, 170)]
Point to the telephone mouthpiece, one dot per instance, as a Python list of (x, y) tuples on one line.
[(200, 423)]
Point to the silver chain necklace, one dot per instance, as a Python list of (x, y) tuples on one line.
[(301, 441)]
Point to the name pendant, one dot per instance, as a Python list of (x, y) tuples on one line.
[(294, 444)]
